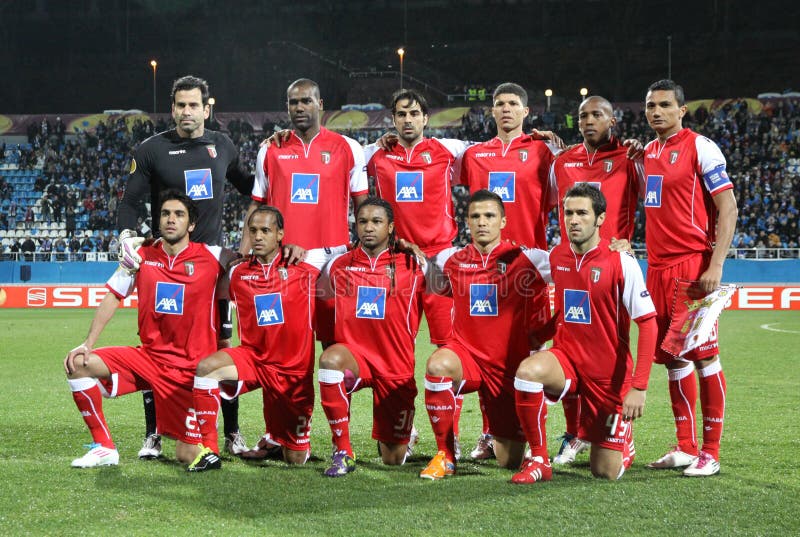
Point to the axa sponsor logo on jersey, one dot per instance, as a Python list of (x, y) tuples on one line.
[(503, 184), (409, 186), (198, 184), (269, 309), (652, 196), (371, 302), (577, 308), (169, 298), (483, 300), (305, 188)]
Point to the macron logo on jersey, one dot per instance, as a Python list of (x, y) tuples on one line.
[(408, 186), (198, 184), (502, 184), (483, 300), (371, 302), (269, 309), (169, 298), (576, 307), (652, 197), (305, 188)]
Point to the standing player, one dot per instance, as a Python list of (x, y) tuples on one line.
[(494, 285), (378, 295), (515, 166), (310, 179), (597, 293), (602, 161), (690, 221), (176, 283), (275, 305), (196, 161)]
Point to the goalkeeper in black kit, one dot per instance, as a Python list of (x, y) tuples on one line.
[(195, 161)]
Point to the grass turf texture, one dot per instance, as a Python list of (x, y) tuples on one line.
[(756, 494)]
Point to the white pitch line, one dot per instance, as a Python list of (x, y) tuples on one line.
[(769, 327)]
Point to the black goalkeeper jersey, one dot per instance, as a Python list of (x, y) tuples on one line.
[(196, 166)]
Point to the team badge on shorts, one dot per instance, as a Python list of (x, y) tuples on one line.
[(188, 267), (523, 155), (269, 309), (577, 308), (409, 186), (325, 156), (502, 184), (426, 156), (169, 298), (212, 151), (483, 300), (370, 302), (595, 274), (673, 156), (608, 165)]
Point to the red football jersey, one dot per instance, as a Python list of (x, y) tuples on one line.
[(682, 176), (596, 296), (493, 297), (177, 305), (378, 307), (519, 173), (417, 183), (620, 179), (275, 308), (311, 185)]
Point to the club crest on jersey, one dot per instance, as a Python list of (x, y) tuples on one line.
[(188, 268), (169, 298), (305, 188), (483, 300), (673, 156), (502, 267), (426, 156), (212, 151), (370, 302), (283, 273), (576, 307), (523, 155), (608, 165), (502, 184), (198, 184), (325, 156), (269, 309), (595, 274), (408, 186), (652, 196)]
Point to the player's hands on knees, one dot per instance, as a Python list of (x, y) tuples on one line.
[(635, 148), (77, 357), (620, 245), (293, 254), (276, 139), (387, 141), (128, 259), (550, 136), (633, 404)]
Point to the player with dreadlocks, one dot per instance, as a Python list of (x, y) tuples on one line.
[(378, 296), (275, 305)]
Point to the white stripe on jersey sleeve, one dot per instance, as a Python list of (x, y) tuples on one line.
[(641, 180), (635, 295), (316, 257), (712, 165), (261, 183), (434, 271), (324, 284), (358, 173), (540, 260), (121, 282), (456, 147), (369, 151)]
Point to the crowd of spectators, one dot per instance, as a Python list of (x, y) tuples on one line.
[(80, 178)]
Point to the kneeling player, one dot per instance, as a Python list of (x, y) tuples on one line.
[(176, 284), (275, 304), (597, 293), (378, 296)]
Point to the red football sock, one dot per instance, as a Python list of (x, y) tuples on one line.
[(712, 403), (683, 394), (336, 405), (572, 412), (440, 402), (457, 413), (89, 401), (532, 414), (206, 401), (484, 418)]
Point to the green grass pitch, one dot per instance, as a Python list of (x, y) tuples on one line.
[(756, 493)]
